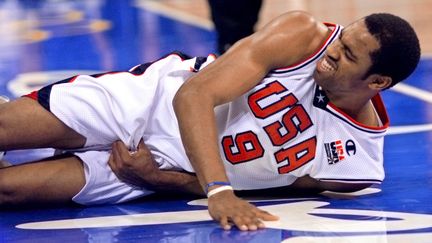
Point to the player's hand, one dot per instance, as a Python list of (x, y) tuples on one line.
[(137, 168), (229, 210)]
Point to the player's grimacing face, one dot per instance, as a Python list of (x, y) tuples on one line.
[(347, 60)]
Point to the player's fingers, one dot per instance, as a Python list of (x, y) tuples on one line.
[(122, 150), (253, 225), (224, 223), (266, 216), (115, 156), (142, 149), (260, 224), (252, 221), (115, 168), (239, 222), (111, 163), (141, 145), (122, 155)]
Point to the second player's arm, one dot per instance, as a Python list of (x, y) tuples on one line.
[(138, 168)]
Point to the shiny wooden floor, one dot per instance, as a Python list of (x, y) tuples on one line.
[(417, 12), (44, 41)]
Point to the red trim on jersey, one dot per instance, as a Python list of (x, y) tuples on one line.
[(32, 95), (317, 51), (73, 79), (380, 109)]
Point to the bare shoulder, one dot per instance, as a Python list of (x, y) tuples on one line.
[(289, 38), (298, 18)]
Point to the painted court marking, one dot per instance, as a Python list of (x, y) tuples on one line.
[(418, 94), (303, 216)]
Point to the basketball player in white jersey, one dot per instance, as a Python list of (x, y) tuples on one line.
[(296, 104)]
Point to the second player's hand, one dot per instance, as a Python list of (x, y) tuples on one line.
[(137, 168), (228, 210)]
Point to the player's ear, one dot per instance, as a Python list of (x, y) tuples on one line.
[(379, 82)]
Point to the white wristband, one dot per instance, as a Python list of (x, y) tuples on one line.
[(219, 189)]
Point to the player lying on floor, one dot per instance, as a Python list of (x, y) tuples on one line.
[(296, 103)]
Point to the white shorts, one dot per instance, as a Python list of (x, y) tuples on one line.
[(127, 106), (102, 186)]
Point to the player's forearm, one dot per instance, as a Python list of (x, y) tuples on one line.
[(199, 135), (176, 181)]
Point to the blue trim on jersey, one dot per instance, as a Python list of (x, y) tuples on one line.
[(44, 94)]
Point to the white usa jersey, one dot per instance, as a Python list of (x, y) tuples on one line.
[(285, 128)]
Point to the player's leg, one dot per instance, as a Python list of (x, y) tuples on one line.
[(3, 99), (54, 180), (24, 123)]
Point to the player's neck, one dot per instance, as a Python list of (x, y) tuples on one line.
[(360, 109)]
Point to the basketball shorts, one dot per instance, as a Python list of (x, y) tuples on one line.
[(102, 186)]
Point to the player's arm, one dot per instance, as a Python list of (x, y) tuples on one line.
[(306, 185), (286, 40), (139, 168), (310, 184)]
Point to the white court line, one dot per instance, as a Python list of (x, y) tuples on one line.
[(418, 94), (409, 129), (413, 92)]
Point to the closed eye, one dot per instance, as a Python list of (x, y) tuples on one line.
[(347, 50), (349, 55)]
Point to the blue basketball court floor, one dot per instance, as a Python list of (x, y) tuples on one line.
[(45, 41)]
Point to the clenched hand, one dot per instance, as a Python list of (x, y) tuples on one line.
[(136, 168)]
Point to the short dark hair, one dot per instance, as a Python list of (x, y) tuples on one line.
[(399, 51)]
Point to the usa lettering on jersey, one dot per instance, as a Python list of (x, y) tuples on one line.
[(245, 146)]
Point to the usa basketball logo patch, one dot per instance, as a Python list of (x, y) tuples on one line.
[(335, 151)]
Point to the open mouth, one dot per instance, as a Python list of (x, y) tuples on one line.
[(326, 66)]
